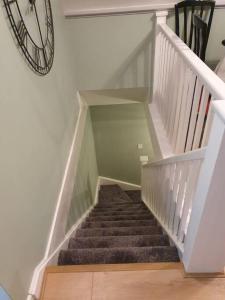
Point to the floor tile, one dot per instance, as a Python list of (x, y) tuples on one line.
[(68, 286)]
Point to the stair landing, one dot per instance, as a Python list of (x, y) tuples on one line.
[(158, 281)]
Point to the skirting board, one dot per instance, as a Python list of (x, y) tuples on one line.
[(57, 239), (123, 184), (57, 231), (36, 284)]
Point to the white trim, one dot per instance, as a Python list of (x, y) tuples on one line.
[(97, 190), (191, 155), (57, 239), (160, 142), (123, 184), (81, 8), (35, 288), (57, 228)]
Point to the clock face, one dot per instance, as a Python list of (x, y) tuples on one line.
[(32, 25)]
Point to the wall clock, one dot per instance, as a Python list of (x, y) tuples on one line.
[(32, 25)]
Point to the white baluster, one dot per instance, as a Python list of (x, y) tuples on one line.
[(160, 19)]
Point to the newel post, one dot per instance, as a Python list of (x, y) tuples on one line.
[(204, 248), (160, 18)]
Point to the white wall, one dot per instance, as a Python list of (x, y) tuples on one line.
[(37, 120)]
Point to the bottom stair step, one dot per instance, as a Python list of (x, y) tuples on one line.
[(119, 241), (118, 255)]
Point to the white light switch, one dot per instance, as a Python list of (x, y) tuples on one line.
[(144, 158), (140, 146)]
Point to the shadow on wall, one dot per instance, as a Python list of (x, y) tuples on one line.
[(86, 177), (131, 74), (82, 191)]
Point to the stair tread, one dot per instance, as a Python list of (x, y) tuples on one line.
[(145, 230), (120, 229), (120, 203), (121, 206), (119, 213), (113, 192), (118, 255), (129, 223), (118, 241), (119, 209), (135, 195), (120, 218)]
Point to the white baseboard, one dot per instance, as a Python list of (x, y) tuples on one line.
[(123, 184), (97, 190), (57, 239), (35, 288), (52, 259), (57, 231)]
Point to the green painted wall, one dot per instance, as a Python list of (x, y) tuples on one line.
[(37, 121), (117, 131), (87, 176)]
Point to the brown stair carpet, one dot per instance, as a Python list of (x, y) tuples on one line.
[(120, 229)]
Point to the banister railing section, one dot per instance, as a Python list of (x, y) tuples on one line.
[(186, 191), (168, 187), (183, 89)]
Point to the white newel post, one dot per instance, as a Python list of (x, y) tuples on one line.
[(160, 18), (204, 248)]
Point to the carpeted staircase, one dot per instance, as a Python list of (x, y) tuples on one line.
[(120, 229)]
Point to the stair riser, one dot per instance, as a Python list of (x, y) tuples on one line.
[(119, 213), (118, 210), (118, 255), (115, 242), (116, 207), (117, 204), (105, 224), (134, 195), (119, 218), (119, 231)]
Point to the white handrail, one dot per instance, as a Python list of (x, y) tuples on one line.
[(207, 76), (183, 91), (191, 155)]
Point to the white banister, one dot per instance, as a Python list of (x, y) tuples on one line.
[(160, 19), (204, 248), (168, 187), (192, 155), (183, 90), (185, 190)]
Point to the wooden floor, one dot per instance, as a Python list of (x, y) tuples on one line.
[(161, 282)]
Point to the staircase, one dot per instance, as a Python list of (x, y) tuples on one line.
[(120, 229)]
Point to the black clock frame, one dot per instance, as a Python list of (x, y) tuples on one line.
[(40, 59)]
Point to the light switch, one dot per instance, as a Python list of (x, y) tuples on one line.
[(144, 158), (140, 146)]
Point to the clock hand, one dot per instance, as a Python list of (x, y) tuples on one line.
[(39, 28)]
